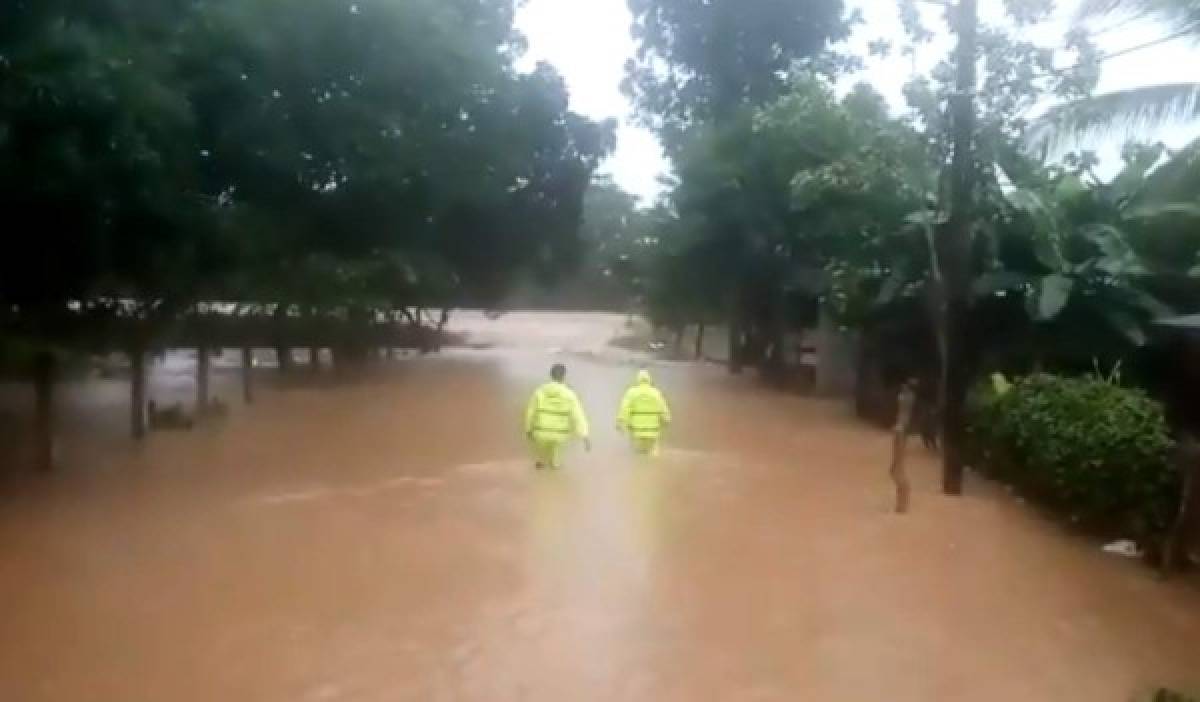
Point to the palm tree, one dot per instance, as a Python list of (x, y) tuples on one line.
[(1126, 111)]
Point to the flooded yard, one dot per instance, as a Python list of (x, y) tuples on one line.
[(388, 539)]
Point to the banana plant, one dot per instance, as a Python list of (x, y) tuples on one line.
[(1089, 265)]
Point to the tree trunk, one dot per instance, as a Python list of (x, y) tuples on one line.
[(283, 353), (354, 347), (736, 344), (899, 472), (905, 402), (203, 363), (137, 392), (774, 361), (248, 375), (43, 381), (954, 246), (699, 340), (754, 346), (314, 359)]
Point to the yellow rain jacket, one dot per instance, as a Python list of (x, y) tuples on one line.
[(644, 411), (554, 414)]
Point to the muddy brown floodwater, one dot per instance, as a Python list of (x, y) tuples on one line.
[(388, 540)]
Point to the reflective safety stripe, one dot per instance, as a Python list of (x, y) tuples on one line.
[(645, 422), (645, 413), (552, 417)]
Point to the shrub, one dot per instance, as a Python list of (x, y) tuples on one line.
[(1165, 695), (1087, 447)]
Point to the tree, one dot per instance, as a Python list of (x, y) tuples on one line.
[(686, 275), (701, 71), (701, 62), (607, 268), (774, 206), (338, 159), (1068, 252), (379, 145), (953, 250), (94, 158), (976, 125)]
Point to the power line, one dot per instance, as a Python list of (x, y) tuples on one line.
[(1129, 50), (1146, 45)]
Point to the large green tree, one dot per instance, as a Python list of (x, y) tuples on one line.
[(404, 131), (772, 206), (340, 159), (701, 70), (700, 61)]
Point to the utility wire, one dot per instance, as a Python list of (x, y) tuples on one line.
[(1128, 50), (1146, 45)]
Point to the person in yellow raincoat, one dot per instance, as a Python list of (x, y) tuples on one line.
[(553, 416), (644, 414)]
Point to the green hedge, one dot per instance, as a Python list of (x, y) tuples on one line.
[(1171, 696), (16, 357), (1087, 447)]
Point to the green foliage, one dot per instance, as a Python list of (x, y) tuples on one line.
[(776, 204), (95, 182), (339, 155), (810, 195), (1085, 446), (1095, 262), (686, 275), (700, 62), (796, 194), (1017, 75), (1165, 695), (608, 265), (405, 131), (16, 356)]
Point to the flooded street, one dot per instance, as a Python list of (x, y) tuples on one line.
[(389, 540)]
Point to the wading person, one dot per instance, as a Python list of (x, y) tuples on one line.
[(644, 415), (554, 415)]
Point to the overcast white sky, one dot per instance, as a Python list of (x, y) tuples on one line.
[(589, 42)]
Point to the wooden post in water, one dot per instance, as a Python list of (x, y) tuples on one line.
[(248, 375), (137, 391), (905, 403), (736, 345), (43, 433), (203, 362), (283, 352)]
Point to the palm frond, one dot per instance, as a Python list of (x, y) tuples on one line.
[(1119, 114), (1181, 15)]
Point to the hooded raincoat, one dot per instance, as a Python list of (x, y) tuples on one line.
[(553, 416), (644, 413)]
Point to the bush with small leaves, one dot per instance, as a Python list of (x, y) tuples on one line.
[(1087, 447)]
